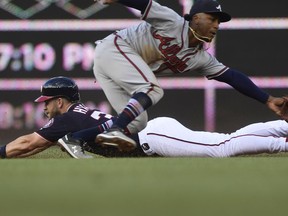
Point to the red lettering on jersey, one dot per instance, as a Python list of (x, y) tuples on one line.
[(169, 51)]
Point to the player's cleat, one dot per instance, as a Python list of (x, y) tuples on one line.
[(73, 147), (115, 137)]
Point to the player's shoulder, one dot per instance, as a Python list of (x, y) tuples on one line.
[(78, 107), (161, 12), (77, 110)]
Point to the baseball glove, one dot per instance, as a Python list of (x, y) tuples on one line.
[(284, 109)]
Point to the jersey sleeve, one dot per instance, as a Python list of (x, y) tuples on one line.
[(209, 66), (54, 129), (139, 4), (74, 121), (160, 17)]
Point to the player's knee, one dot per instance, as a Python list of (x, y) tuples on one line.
[(156, 94)]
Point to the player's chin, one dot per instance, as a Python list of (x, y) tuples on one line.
[(48, 115), (212, 36), (208, 39)]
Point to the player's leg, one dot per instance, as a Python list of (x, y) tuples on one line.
[(135, 84), (167, 137), (263, 137), (277, 128), (118, 99), (252, 144), (129, 84)]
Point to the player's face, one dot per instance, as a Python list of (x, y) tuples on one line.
[(206, 24), (51, 108)]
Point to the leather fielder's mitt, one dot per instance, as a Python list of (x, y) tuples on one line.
[(284, 109)]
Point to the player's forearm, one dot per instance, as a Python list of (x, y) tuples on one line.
[(17, 147), (25, 146), (139, 5), (32, 152), (243, 84), (89, 134)]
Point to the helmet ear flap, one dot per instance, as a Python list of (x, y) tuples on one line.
[(75, 97)]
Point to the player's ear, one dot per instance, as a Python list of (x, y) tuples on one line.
[(61, 102), (195, 19)]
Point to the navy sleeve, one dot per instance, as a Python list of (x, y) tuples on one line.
[(87, 135), (139, 4), (243, 84)]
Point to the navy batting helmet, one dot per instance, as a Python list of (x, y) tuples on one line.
[(59, 87)]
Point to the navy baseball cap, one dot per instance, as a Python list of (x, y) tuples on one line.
[(210, 7)]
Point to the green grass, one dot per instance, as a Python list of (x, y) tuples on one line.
[(144, 186)]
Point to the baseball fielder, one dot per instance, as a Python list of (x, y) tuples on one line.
[(127, 62)]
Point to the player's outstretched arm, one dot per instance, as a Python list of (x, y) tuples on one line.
[(26, 145), (106, 1), (139, 5), (244, 84)]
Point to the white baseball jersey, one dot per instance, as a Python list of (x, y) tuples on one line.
[(167, 137)]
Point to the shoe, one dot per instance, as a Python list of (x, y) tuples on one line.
[(73, 147), (116, 137)]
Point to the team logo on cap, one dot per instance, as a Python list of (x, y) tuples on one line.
[(219, 7)]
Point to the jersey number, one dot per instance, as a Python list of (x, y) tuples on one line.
[(97, 115)]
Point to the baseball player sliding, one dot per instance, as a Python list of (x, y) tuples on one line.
[(127, 62), (166, 137)]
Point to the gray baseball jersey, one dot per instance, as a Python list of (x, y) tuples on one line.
[(162, 41), (128, 61)]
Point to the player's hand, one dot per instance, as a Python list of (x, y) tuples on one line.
[(105, 1), (275, 104)]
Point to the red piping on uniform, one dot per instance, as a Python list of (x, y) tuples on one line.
[(101, 129), (217, 74), (182, 35), (135, 66), (203, 144), (147, 10), (128, 113)]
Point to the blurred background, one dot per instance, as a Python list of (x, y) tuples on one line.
[(40, 39)]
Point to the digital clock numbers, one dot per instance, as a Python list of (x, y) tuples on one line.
[(43, 57), (30, 115)]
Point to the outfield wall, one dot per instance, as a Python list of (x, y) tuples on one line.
[(42, 39)]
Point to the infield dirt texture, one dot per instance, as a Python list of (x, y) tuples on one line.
[(144, 186)]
